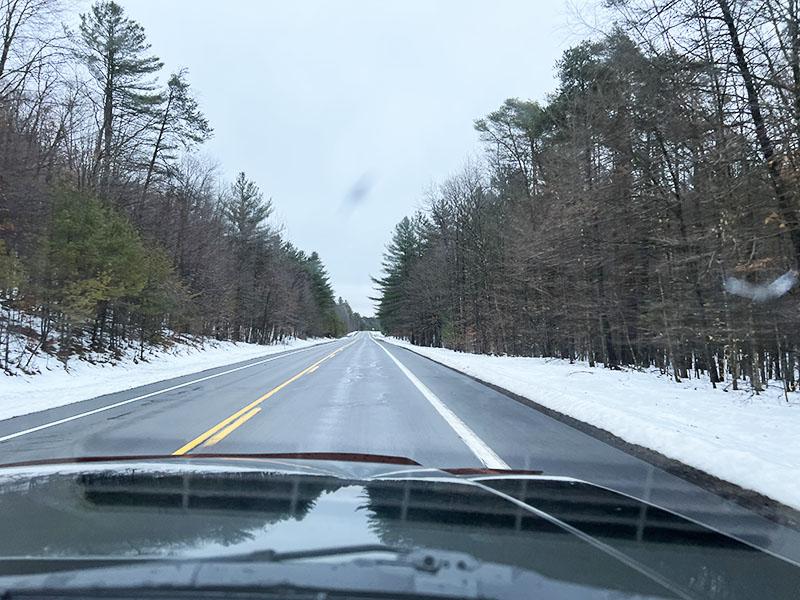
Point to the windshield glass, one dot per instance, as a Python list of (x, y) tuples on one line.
[(546, 241)]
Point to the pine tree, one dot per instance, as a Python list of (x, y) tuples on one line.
[(181, 124), (114, 49), (246, 211), (397, 262), (322, 292)]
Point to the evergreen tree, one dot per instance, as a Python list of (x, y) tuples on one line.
[(92, 273), (114, 49), (246, 211), (181, 124), (400, 255), (322, 292)]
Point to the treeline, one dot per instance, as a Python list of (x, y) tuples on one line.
[(112, 231), (603, 223), (352, 321)]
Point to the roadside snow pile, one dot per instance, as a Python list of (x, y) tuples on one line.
[(752, 441), (56, 386)]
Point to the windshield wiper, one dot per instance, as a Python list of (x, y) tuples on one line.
[(348, 457), (421, 573), (430, 561), (432, 573), (426, 560), (273, 556)]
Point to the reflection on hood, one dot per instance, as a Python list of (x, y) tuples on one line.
[(196, 513)]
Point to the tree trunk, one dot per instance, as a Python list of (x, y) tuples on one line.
[(157, 147), (773, 161)]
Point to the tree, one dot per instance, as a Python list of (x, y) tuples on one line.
[(246, 211), (602, 224), (328, 323), (786, 199), (93, 262), (398, 260), (513, 133), (180, 124), (27, 37), (86, 264), (114, 49)]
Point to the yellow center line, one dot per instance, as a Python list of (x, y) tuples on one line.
[(239, 413), (224, 432)]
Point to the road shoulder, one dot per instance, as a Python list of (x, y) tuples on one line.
[(753, 500)]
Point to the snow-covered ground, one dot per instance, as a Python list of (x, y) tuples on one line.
[(752, 441), (54, 385)]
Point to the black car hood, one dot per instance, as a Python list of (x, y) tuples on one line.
[(557, 527)]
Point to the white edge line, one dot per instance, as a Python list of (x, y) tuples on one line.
[(88, 413), (478, 447)]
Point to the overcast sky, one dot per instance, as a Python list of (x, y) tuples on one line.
[(369, 100)]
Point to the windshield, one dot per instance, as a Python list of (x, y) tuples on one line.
[(457, 239)]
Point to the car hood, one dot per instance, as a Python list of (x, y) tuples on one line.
[(558, 527)]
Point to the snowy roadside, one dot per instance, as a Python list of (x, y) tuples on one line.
[(751, 441), (55, 386)]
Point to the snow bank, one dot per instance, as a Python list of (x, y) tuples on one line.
[(752, 441), (56, 386)]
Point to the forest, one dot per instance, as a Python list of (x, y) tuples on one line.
[(114, 231), (602, 223)]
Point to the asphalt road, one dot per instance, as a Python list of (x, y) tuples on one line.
[(360, 395)]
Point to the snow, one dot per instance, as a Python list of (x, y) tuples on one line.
[(54, 385), (749, 440)]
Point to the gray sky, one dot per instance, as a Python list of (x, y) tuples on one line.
[(373, 100)]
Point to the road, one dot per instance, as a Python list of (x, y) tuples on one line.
[(362, 395)]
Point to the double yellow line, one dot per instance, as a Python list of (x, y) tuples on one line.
[(241, 416)]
